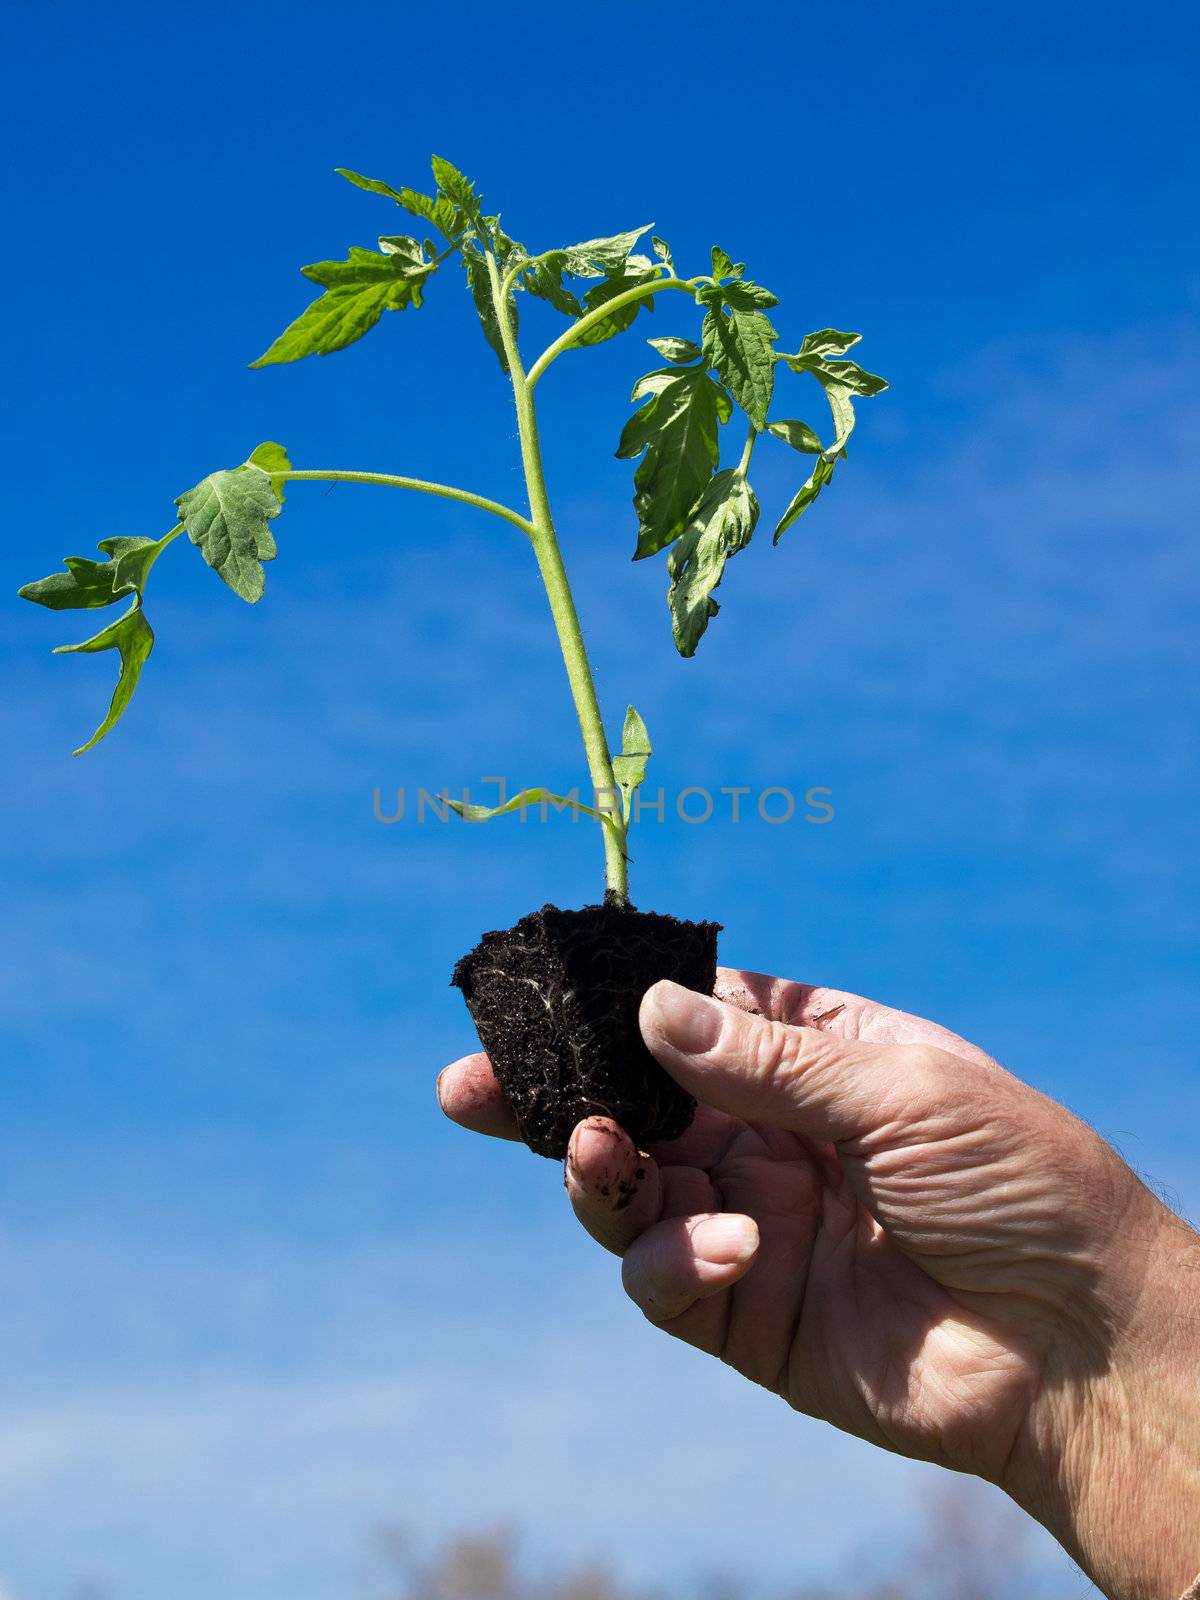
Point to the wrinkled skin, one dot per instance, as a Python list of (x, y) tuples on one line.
[(872, 1218)]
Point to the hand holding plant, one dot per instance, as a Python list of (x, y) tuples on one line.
[(874, 1220)]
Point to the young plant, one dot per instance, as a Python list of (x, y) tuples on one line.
[(573, 1048)]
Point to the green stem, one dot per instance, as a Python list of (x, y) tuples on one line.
[(748, 450), (444, 490), (562, 602), (568, 339)]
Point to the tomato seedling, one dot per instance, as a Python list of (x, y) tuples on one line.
[(579, 1050)]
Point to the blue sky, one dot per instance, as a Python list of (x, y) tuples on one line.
[(258, 1297)]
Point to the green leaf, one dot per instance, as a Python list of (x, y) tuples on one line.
[(480, 284), (840, 379), (87, 584), (798, 434), (440, 211), (718, 528), (84, 584), (738, 347), (663, 251), (828, 342), (846, 375), (408, 251), (629, 768), (544, 279), (677, 431), (526, 797), (854, 378), (821, 473), (133, 637), (748, 296), (596, 256), (457, 189), (133, 559), (723, 267), (226, 516), (373, 185), (634, 274), (677, 350), (273, 459), (359, 290)]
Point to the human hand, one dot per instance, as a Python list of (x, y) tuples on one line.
[(872, 1218)]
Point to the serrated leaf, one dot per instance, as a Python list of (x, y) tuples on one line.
[(133, 559), (748, 296), (273, 459), (856, 379), (738, 346), (798, 434), (87, 584), (847, 375), (629, 768), (828, 342), (840, 379), (227, 516), (594, 257), (677, 431), (663, 251), (544, 279), (372, 185), (634, 274), (359, 290), (480, 284), (677, 350), (457, 188), (723, 267), (84, 585), (430, 208), (821, 473), (523, 799), (408, 251), (440, 211), (721, 525), (132, 636)]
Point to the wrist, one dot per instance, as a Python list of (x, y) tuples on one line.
[(1109, 1460)]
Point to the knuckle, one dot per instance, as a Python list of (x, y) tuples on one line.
[(772, 1049), (921, 1069)]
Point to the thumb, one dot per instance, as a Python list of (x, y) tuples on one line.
[(798, 1078)]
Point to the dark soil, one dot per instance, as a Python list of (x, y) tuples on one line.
[(555, 1000)]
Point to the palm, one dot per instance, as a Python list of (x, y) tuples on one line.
[(835, 1319)]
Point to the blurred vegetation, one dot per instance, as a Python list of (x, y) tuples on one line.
[(966, 1549)]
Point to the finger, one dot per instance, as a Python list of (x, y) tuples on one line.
[(685, 1259), (837, 1011), (468, 1093), (794, 1077), (615, 1190)]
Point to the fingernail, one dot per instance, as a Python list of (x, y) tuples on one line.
[(438, 1086), (691, 1022), (725, 1241)]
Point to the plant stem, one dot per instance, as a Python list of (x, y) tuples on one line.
[(570, 338), (446, 491), (562, 604), (748, 450)]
